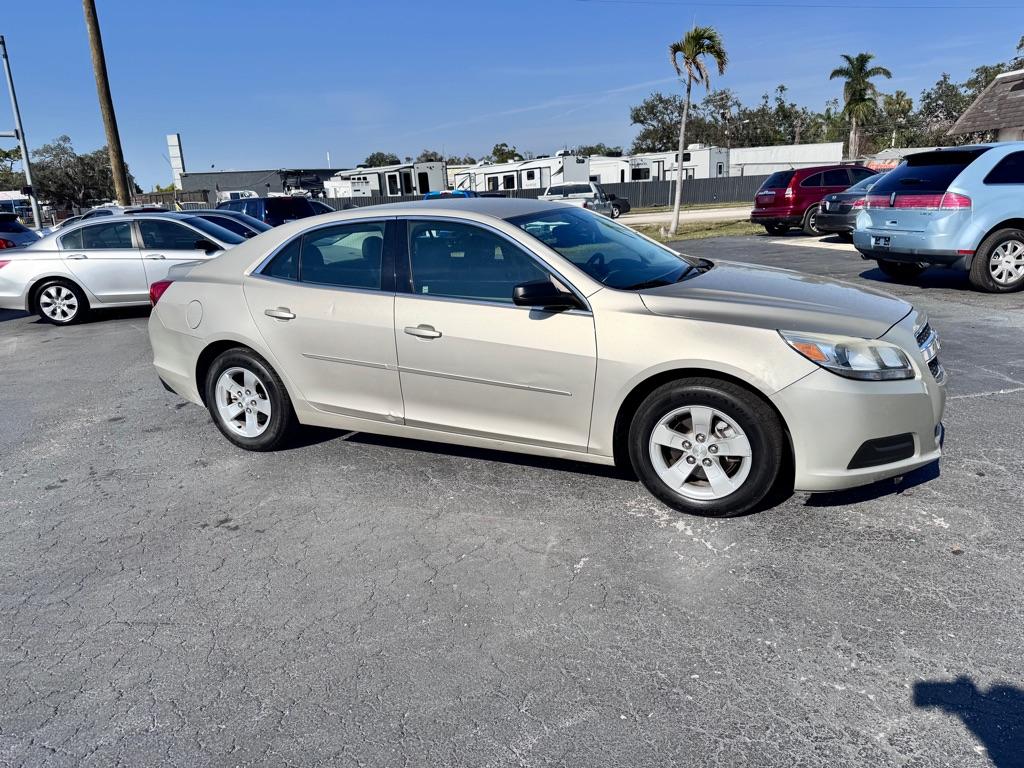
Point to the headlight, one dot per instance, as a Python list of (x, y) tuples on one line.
[(852, 358)]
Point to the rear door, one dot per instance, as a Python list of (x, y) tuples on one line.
[(105, 259), (166, 243)]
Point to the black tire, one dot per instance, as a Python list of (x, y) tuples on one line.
[(616, 212), (754, 417), (51, 309), (901, 270), (845, 237), (809, 218), (281, 422), (776, 229), (981, 275)]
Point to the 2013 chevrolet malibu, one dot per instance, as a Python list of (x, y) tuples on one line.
[(546, 329)]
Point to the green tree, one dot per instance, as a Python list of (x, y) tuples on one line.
[(600, 149), (859, 93), (378, 159), (429, 156), (897, 108), (64, 177), (687, 56), (10, 178), (938, 108), (503, 153), (465, 160), (658, 117)]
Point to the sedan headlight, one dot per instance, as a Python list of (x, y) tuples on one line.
[(852, 358)]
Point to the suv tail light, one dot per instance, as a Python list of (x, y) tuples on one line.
[(156, 290), (788, 194), (947, 201), (4, 243)]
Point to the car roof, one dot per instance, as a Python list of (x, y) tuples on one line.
[(832, 167), (497, 207)]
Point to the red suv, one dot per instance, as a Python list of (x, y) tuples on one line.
[(791, 198)]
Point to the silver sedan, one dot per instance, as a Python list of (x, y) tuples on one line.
[(546, 329)]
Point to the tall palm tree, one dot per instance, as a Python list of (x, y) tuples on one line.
[(897, 107), (859, 93), (687, 56)]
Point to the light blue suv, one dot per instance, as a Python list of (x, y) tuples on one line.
[(959, 207)]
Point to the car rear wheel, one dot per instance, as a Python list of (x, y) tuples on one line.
[(248, 401), (998, 265), (706, 447), (776, 229), (810, 221), (901, 270), (616, 211), (60, 302)]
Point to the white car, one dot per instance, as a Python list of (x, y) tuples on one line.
[(105, 262), (586, 194), (545, 329)]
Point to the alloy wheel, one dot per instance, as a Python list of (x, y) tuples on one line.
[(1006, 262), (700, 453), (59, 303), (243, 402)]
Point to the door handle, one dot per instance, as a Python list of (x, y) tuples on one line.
[(423, 331), (77, 256), (281, 313), (156, 256)]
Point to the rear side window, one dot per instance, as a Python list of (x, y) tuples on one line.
[(559, 190), (348, 256), (1009, 170), (814, 180), (285, 266), (228, 223), (859, 174), (167, 235), (115, 235), (927, 172), (778, 180), (836, 178)]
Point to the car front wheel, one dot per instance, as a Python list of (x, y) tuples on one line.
[(616, 212), (248, 401), (706, 447), (776, 229), (998, 266)]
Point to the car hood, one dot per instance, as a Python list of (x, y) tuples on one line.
[(766, 297)]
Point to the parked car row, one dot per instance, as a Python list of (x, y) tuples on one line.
[(589, 195), (957, 207)]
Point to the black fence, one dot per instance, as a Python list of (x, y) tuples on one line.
[(640, 194)]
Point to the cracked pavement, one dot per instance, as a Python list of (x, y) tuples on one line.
[(167, 599)]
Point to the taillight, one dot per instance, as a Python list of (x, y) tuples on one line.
[(4, 243), (927, 201), (858, 203), (156, 290), (4, 263), (788, 193)]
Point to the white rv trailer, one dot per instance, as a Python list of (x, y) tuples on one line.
[(539, 173), (699, 162), (388, 180), (759, 161)]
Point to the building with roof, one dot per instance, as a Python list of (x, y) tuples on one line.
[(262, 182), (998, 109)]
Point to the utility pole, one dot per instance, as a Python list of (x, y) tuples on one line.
[(19, 134), (99, 66)]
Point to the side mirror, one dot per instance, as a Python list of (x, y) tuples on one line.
[(202, 244), (544, 294)]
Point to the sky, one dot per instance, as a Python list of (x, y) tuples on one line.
[(273, 84)]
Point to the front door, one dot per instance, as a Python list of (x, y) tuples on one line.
[(325, 305), (166, 243), (471, 361), (104, 259)]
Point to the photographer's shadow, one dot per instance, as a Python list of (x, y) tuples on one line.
[(995, 716)]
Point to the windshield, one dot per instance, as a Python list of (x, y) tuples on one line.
[(610, 253), (216, 231), (290, 207)]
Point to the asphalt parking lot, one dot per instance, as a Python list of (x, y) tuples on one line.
[(167, 599)]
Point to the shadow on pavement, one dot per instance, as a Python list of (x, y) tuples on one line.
[(995, 716), (936, 277), (877, 490)]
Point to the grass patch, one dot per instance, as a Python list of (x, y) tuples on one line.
[(698, 230), (698, 207)]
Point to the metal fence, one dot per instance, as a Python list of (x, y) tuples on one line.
[(640, 194)]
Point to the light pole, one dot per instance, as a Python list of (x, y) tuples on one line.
[(19, 134)]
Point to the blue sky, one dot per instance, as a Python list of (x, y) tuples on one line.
[(268, 84)]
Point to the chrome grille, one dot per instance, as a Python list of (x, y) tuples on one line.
[(928, 343)]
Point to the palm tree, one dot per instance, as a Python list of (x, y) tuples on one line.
[(858, 92), (687, 56), (897, 107)]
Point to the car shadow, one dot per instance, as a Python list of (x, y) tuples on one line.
[(890, 487), (995, 716), (11, 314), (936, 277), (488, 454)]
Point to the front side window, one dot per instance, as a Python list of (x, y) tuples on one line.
[(1009, 170), (347, 256), (859, 174), (610, 253), (466, 262), (167, 235), (115, 235), (837, 177)]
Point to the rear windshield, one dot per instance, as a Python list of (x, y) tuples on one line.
[(866, 183), (11, 224), (289, 207), (927, 171), (778, 180)]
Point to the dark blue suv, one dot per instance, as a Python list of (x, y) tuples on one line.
[(276, 210)]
